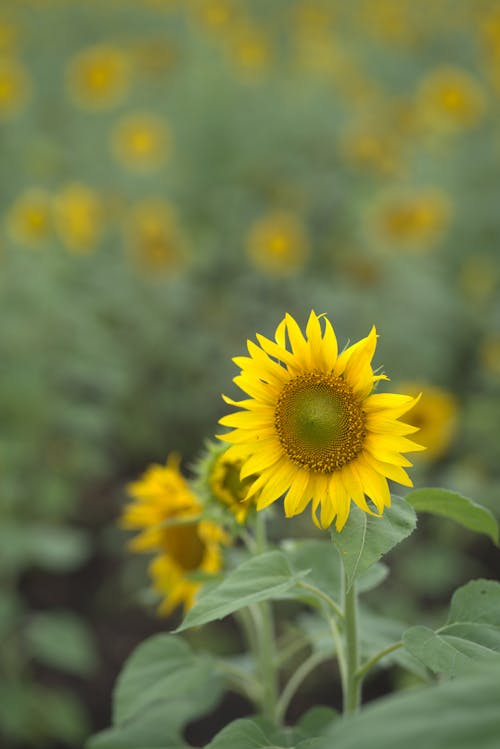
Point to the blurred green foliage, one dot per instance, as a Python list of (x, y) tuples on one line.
[(134, 263)]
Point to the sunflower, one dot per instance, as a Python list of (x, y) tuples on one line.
[(436, 416), (313, 429), (168, 515), (220, 482)]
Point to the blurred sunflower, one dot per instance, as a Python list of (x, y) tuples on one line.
[(30, 220), (141, 142), (478, 276), (219, 479), (168, 516), (388, 20), (435, 415), (14, 88), (370, 148), (412, 219), (312, 428), (277, 244), (217, 15), (249, 48), (98, 77), (154, 238), (9, 33), (450, 98), (489, 354), (78, 217)]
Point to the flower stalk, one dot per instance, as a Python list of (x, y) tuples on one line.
[(351, 679)]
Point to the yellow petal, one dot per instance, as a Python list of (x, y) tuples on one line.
[(264, 458), (295, 494), (298, 343), (330, 346), (395, 473)]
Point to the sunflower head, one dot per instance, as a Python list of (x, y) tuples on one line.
[(312, 428), (169, 517), (220, 482), (436, 416)]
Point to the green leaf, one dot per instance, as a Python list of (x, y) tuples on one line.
[(158, 727), (161, 669), (471, 635), (316, 720), (477, 601), (454, 506), (372, 577), (458, 714), (365, 538), (320, 560), (63, 641), (258, 579), (451, 651), (255, 733), (163, 686), (377, 633)]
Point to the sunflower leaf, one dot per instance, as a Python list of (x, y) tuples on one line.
[(462, 510), (255, 733), (258, 579), (366, 538), (459, 714), (471, 635), (455, 649), (162, 687)]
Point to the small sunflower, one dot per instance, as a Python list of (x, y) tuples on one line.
[(278, 244), (30, 219), (219, 480), (78, 217), (313, 429), (141, 142), (450, 99), (15, 86), (98, 77), (436, 416), (168, 515)]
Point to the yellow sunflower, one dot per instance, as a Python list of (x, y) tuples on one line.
[(168, 515), (312, 428), (228, 488), (436, 416)]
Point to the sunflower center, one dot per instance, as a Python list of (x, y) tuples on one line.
[(319, 422), (184, 545)]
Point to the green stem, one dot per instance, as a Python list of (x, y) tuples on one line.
[(351, 682), (363, 670), (298, 676), (323, 596), (266, 637)]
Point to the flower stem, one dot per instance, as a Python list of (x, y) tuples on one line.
[(266, 638), (351, 681), (298, 676), (363, 670)]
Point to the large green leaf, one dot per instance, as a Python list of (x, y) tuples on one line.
[(456, 507), (63, 641), (264, 577), (453, 651), (458, 714), (377, 633), (477, 601), (158, 727), (471, 635), (161, 668), (249, 733), (365, 538), (162, 687), (321, 561)]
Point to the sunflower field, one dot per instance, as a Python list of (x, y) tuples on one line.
[(294, 203)]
